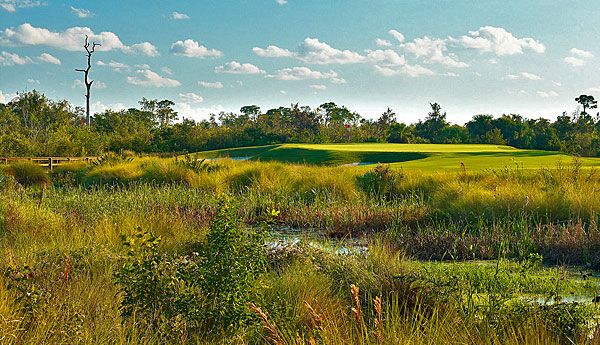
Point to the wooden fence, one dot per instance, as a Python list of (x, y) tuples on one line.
[(48, 162)]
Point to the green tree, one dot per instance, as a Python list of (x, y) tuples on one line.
[(587, 102)]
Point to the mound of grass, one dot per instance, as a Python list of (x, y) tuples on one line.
[(28, 174)]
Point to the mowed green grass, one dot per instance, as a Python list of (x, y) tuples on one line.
[(408, 156)]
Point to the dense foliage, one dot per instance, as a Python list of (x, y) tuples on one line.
[(33, 125)]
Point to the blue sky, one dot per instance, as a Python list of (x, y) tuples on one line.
[(530, 57)]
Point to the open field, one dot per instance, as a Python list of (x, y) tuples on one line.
[(409, 156)]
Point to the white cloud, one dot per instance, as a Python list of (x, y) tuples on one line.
[(500, 42), (386, 57), (556, 83), (179, 16), (548, 94), (493, 61), (581, 53), (524, 76), (81, 13), (7, 97), (71, 39), (433, 50), (191, 48), (99, 107), (167, 70), (272, 51), (186, 110), (145, 48), (209, 85), (574, 62), (146, 77), (302, 73), (45, 57), (281, 2), (191, 97), (397, 35), (407, 70), (578, 57), (235, 67), (116, 66), (452, 74), (313, 51), (318, 87), (10, 59), (33, 81), (380, 42), (12, 5), (77, 83)]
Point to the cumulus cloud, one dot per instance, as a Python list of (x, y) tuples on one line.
[(303, 73), (235, 67), (7, 97), (179, 16), (210, 85), (145, 48), (71, 39), (10, 59), (191, 48), (578, 57), (407, 70), (313, 51), (433, 50), (77, 83), (386, 57), (581, 53), (81, 13), (397, 35), (272, 51), (13, 5), (281, 2), (45, 57), (524, 76), (500, 41), (191, 97), (146, 77), (380, 42), (116, 66), (318, 87)]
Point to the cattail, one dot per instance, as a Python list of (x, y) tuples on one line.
[(356, 310), (379, 320), (270, 327), (316, 318), (67, 268)]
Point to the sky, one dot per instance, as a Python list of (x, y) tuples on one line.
[(530, 57)]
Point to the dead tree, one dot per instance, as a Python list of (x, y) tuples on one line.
[(88, 83)]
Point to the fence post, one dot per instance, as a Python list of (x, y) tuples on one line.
[(50, 163)]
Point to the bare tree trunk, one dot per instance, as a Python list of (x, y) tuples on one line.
[(88, 83)]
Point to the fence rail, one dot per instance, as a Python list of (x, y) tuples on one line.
[(48, 162)]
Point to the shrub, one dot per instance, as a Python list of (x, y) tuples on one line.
[(235, 256), (161, 292), (161, 171), (382, 181), (29, 174)]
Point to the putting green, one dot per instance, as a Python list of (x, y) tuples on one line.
[(409, 156)]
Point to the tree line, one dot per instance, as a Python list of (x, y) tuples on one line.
[(33, 125)]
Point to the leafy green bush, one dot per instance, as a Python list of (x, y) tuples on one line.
[(235, 256), (29, 174), (172, 295), (160, 292), (382, 181)]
